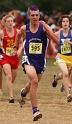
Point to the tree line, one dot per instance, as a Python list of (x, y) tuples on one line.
[(44, 5)]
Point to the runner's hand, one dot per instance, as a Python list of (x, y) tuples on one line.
[(42, 22), (55, 51), (18, 53), (67, 41), (13, 52)]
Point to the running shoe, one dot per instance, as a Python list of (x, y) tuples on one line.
[(22, 99), (37, 115), (62, 88), (11, 101), (69, 98), (70, 87), (54, 83)]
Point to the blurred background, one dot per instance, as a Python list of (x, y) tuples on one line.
[(50, 12), (44, 5)]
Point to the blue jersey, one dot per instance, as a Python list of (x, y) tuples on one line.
[(63, 47), (35, 43)]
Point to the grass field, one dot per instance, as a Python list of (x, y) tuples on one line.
[(52, 103)]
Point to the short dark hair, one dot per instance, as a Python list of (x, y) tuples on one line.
[(62, 17), (32, 8)]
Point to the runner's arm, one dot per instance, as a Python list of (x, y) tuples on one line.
[(20, 49), (49, 32), (53, 44), (20, 34)]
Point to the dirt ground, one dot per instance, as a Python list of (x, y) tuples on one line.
[(51, 102)]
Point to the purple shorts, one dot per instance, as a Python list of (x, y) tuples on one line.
[(39, 65)]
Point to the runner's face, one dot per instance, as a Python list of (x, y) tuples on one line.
[(65, 23), (9, 22), (34, 17)]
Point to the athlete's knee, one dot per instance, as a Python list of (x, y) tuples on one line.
[(65, 74), (35, 82), (9, 77)]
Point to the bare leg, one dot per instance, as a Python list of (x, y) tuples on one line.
[(65, 81), (0, 79), (70, 77), (8, 73), (34, 79), (14, 74), (59, 76)]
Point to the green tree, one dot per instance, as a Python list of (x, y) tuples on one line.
[(44, 5)]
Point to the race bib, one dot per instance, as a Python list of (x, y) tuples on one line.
[(66, 49), (8, 50), (35, 48), (24, 59)]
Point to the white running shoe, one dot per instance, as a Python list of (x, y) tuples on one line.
[(37, 115)]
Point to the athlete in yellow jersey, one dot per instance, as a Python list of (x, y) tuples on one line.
[(64, 54)]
